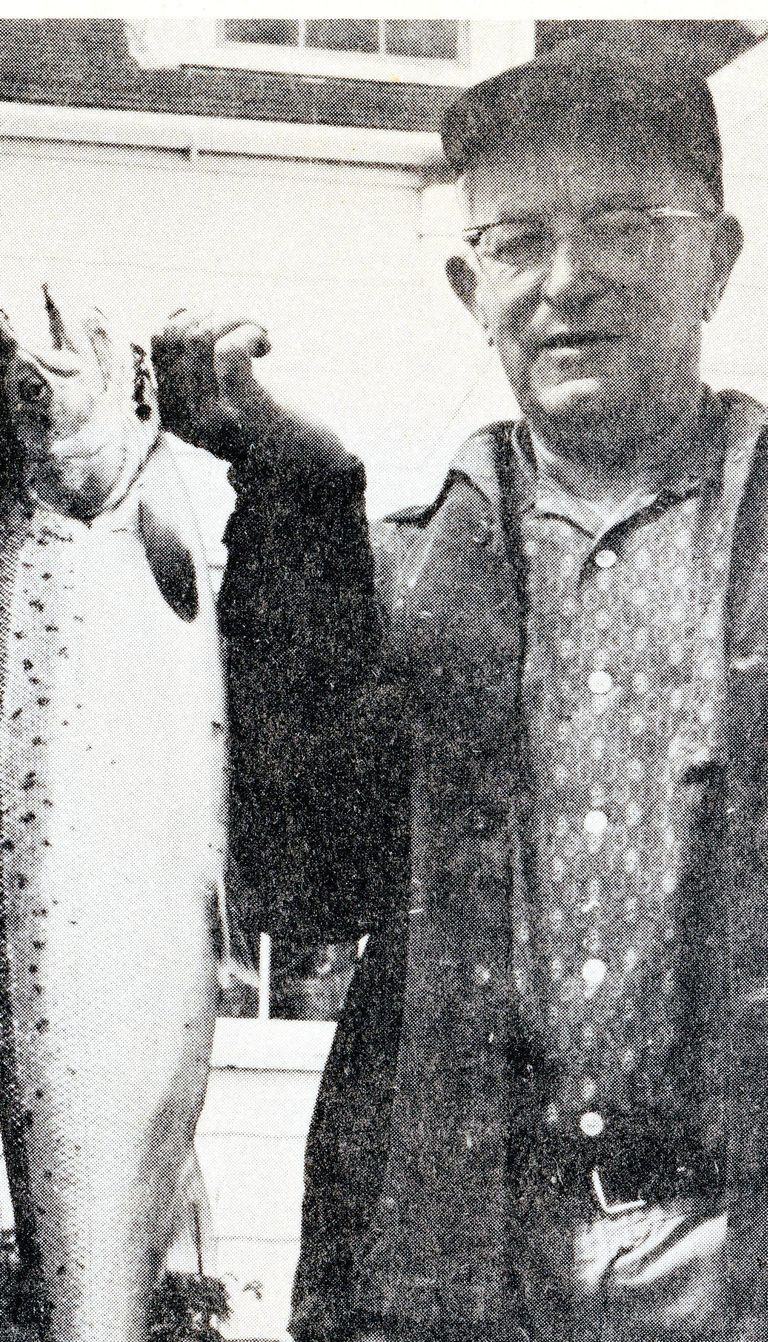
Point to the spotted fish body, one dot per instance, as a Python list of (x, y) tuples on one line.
[(111, 769)]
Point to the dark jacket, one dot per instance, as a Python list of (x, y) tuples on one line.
[(380, 786)]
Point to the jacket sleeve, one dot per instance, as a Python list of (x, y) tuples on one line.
[(317, 764)]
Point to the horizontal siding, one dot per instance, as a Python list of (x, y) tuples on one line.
[(251, 1141), (258, 1104)]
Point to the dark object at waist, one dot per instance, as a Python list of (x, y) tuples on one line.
[(634, 1160)]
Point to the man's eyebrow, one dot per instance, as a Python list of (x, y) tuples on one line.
[(508, 215), (613, 200), (622, 200)]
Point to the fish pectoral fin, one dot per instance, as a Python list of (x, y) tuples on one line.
[(171, 562)]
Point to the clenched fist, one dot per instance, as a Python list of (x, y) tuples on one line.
[(209, 396)]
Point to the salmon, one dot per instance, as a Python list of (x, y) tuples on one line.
[(112, 823)]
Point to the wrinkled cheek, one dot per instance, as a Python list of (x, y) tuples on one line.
[(518, 370)]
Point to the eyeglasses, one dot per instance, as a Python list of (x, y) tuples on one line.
[(613, 239)]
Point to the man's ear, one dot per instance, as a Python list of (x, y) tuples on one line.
[(463, 280), (726, 249)]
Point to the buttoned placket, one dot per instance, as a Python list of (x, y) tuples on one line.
[(598, 564)]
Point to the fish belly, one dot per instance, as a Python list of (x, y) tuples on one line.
[(108, 884)]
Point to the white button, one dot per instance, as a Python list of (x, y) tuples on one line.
[(591, 1124), (605, 558), (595, 822), (600, 682), (588, 1089), (593, 972)]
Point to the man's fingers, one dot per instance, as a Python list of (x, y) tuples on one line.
[(177, 329), (200, 327), (703, 1242), (232, 355), (214, 328)]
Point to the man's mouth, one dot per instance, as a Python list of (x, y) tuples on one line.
[(571, 340)]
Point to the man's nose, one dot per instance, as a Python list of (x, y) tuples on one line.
[(568, 279)]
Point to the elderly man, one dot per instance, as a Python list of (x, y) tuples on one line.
[(534, 765)]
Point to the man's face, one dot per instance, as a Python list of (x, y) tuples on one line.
[(582, 340)]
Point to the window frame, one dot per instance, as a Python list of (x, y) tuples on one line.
[(371, 65)]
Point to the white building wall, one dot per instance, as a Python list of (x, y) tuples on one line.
[(365, 332), (735, 351)]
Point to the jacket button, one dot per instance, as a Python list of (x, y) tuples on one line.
[(595, 823), (591, 1123)]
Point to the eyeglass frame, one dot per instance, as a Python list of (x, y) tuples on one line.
[(473, 235)]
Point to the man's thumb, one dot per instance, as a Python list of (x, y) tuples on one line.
[(232, 356)]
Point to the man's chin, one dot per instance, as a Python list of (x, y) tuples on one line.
[(577, 402)]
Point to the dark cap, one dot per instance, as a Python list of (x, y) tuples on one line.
[(585, 79)]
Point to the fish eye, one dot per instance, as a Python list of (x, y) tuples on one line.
[(31, 389)]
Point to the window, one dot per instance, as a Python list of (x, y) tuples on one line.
[(419, 50), (416, 39)]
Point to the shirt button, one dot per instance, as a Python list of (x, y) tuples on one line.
[(593, 972), (606, 558), (600, 682), (591, 1123), (595, 823)]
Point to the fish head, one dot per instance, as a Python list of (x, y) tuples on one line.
[(81, 407)]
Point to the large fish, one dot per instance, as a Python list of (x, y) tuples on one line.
[(112, 760)]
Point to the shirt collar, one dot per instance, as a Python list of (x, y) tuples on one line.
[(689, 470)]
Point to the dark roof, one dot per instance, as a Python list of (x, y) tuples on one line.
[(87, 63), (703, 45)]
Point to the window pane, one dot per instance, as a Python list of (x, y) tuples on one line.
[(343, 34), (275, 32), (427, 39)]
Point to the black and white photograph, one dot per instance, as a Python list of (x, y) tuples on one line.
[(383, 679)]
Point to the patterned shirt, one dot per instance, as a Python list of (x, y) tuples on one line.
[(623, 671)]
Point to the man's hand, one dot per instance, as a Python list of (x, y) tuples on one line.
[(209, 396), (660, 1272)]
